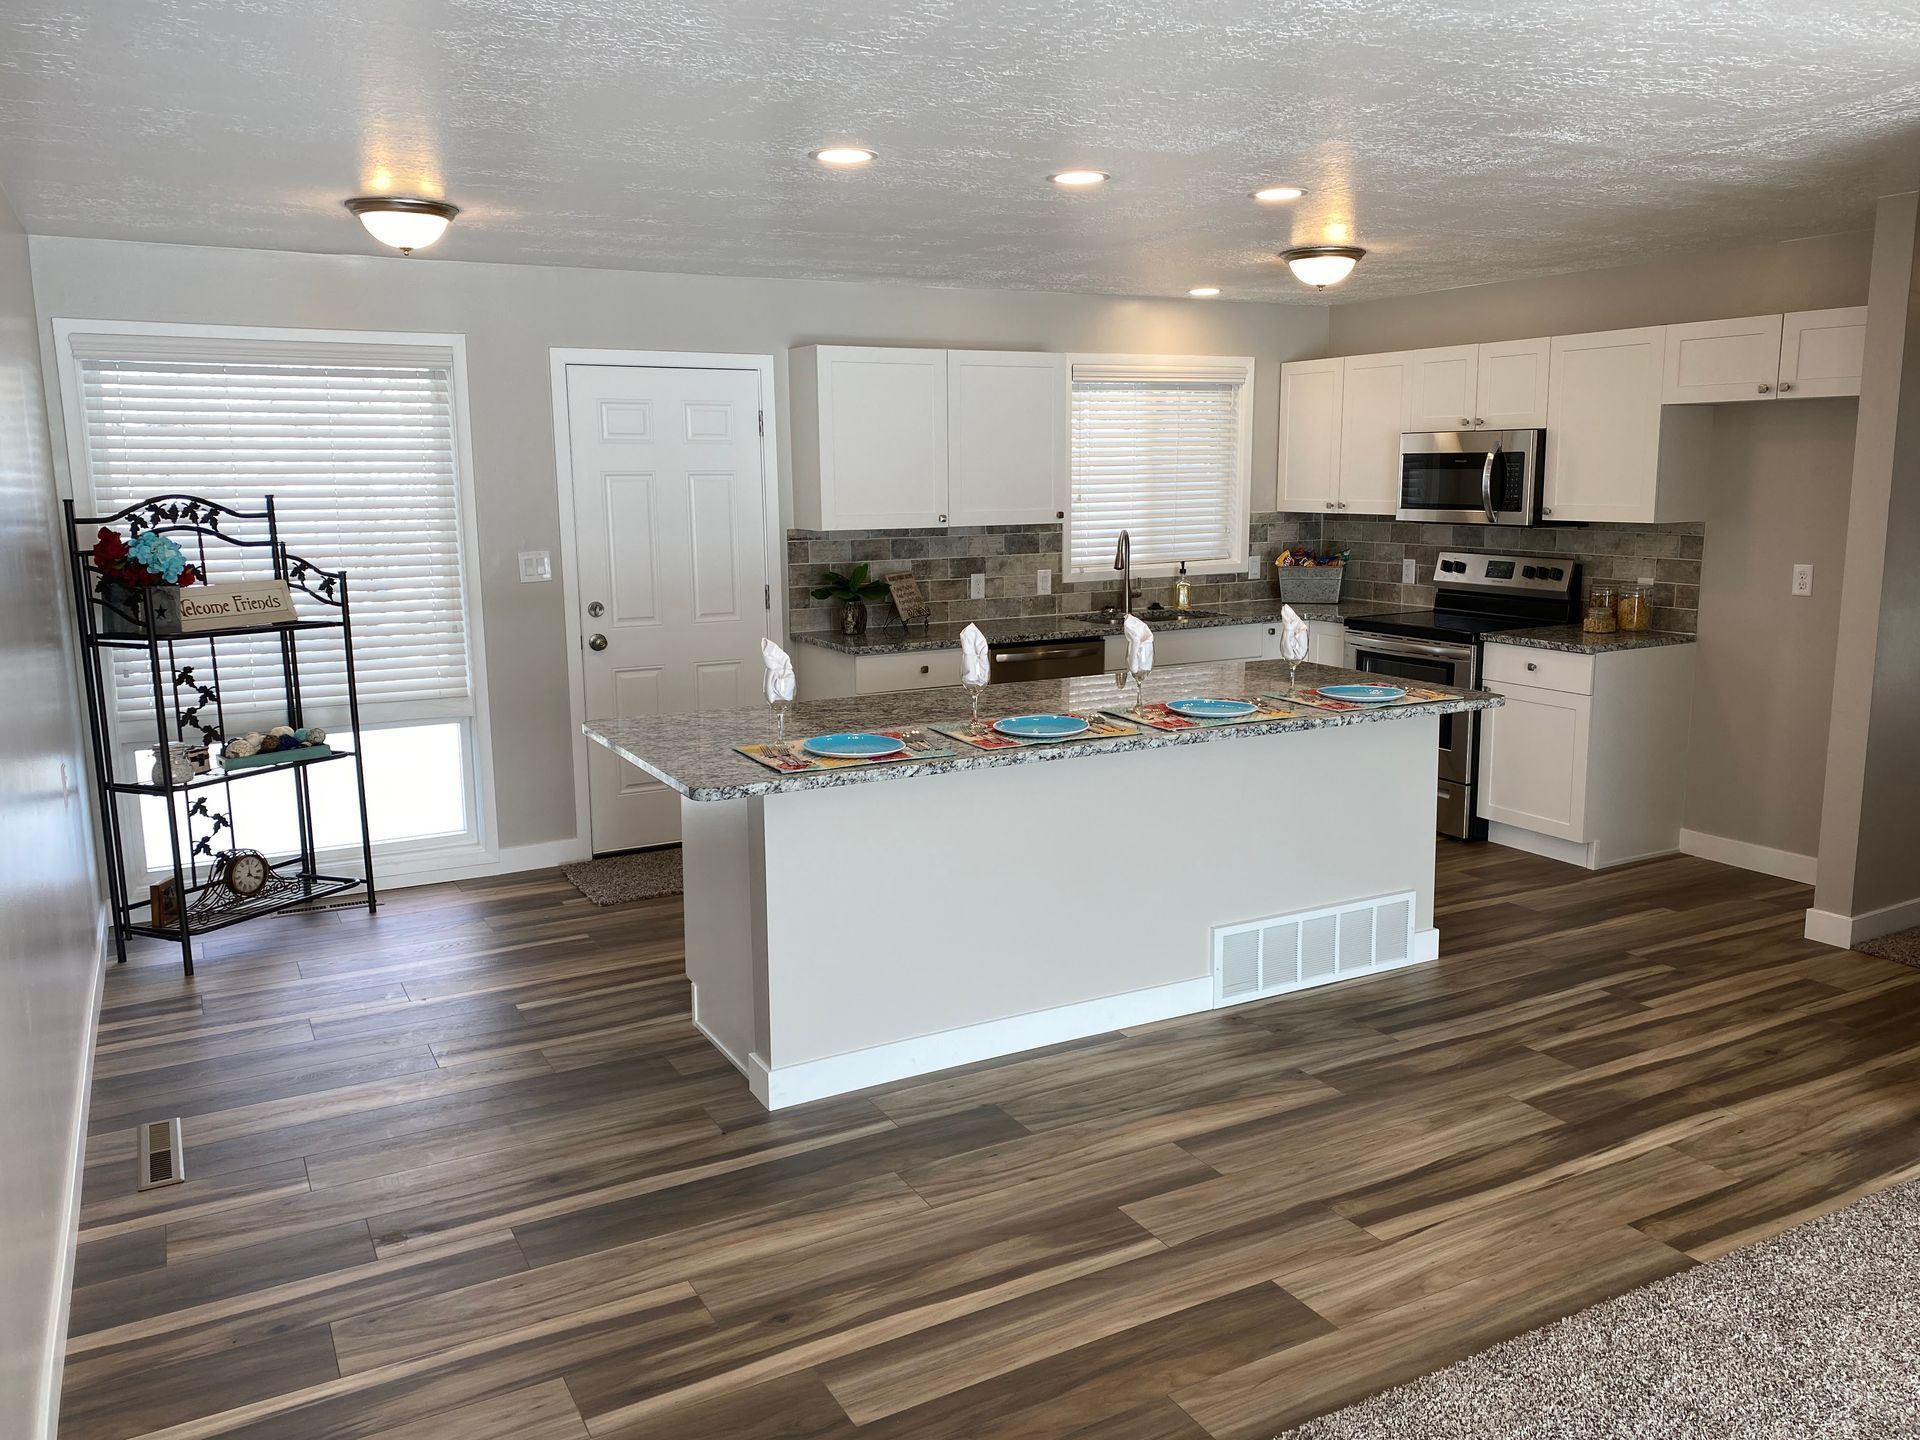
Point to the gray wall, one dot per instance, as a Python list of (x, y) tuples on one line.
[(1778, 495), (513, 314), (48, 910)]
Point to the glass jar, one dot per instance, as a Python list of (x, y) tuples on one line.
[(1601, 619), (1632, 609)]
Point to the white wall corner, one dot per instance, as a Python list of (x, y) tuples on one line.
[(1722, 850)]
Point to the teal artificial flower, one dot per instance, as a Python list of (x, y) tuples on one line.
[(157, 554)]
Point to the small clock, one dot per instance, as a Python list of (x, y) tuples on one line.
[(245, 873)]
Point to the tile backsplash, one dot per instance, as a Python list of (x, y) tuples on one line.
[(1009, 555)]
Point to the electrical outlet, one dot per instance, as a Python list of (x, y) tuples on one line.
[(1803, 579), (1409, 572), (1043, 582), (1253, 567), (535, 565), (977, 585)]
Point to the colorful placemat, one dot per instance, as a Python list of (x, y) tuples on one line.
[(1415, 695), (1160, 717), (985, 737), (789, 759)]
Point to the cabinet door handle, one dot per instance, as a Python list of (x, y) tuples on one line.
[(1532, 666), (1478, 422), (1764, 387), (1329, 504), (943, 519), (1465, 424), (1059, 514), (1546, 509), (925, 668), (1785, 386)]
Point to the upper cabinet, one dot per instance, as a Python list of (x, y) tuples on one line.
[(1512, 390), (897, 438), (1766, 357), (1821, 352), (1375, 407), (1310, 394), (1006, 437), (1443, 384), (1614, 453)]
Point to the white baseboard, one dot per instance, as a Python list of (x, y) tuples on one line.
[(1786, 864), (46, 1421), (924, 1054), (439, 866), (1549, 847), (1829, 927)]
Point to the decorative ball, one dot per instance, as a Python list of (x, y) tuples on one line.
[(281, 730), (241, 746), (315, 735)]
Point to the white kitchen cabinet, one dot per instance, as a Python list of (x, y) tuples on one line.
[(870, 437), (1310, 393), (1326, 642), (1821, 352), (897, 438), (1006, 438), (1511, 393), (1585, 762), (1376, 401), (1710, 361), (1442, 387), (833, 675), (1614, 453)]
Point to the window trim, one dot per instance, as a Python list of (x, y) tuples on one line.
[(1173, 365), (485, 832)]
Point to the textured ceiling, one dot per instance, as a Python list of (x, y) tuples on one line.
[(1460, 142)]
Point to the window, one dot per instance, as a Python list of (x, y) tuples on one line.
[(357, 440), (1162, 449)]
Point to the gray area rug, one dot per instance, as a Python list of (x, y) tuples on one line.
[(1901, 945), (1815, 1332), (620, 878)]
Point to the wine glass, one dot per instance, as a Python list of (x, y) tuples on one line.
[(975, 692), (1293, 678), (779, 708), (1140, 688)]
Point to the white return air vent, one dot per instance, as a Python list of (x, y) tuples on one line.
[(1313, 947)]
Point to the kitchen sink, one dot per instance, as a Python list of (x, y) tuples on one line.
[(1111, 616)]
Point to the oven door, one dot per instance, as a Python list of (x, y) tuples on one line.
[(1477, 477), (1427, 662)]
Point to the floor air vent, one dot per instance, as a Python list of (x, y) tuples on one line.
[(1314, 947), (162, 1161)]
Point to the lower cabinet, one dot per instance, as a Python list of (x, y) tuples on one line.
[(832, 675), (1586, 760), (1326, 642), (1194, 647)]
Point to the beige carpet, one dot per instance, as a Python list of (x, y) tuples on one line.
[(1902, 945), (1815, 1333), (617, 879)]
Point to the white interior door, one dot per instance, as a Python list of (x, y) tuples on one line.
[(670, 544)]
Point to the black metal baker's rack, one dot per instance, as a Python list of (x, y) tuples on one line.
[(184, 672)]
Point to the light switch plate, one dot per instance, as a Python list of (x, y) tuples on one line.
[(1409, 572), (535, 565), (1253, 567), (1803, 579), (1043, 582), (977, 585)]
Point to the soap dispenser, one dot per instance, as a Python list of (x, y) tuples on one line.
[(1182, 590)]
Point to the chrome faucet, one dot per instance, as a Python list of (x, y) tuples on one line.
[(1123, 562)]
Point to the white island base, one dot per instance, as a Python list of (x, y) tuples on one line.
[(857, 934)]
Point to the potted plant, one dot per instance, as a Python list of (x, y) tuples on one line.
[(134, 578), (852, 591)]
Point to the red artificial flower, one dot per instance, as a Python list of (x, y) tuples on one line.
[(188, 576)]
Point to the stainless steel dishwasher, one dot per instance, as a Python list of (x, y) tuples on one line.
[(1045, 660)]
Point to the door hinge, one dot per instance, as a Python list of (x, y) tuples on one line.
[(766, 597), (763, 422)]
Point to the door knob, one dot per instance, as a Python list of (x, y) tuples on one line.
[(596, 609), (596, 642)]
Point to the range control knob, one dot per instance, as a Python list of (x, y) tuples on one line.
[(1528, 572), (1557, 573)]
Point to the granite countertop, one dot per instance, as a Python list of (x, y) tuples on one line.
[(891, 639), (1575, 641), (694, 754)]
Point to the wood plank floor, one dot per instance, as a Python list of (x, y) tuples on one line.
[(464, 1170)]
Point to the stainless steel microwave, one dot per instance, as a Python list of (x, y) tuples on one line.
[(1476, 477)]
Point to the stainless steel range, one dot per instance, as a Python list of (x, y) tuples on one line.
[(1475, 595)]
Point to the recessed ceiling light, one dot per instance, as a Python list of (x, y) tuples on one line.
[(1204, 292), (1079, 179), (406, 224), (845, 157), (1277, 194), (1322, 265)]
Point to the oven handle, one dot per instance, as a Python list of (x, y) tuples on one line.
[(1428, 648), (1486, 485)]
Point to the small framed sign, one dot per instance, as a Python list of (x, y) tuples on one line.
[(908, 599), (228, 606)]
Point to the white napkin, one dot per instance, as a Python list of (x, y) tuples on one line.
[(1139, 645), (973, 656), (1293, 634), (779, 673)]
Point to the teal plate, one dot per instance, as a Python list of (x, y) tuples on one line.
[(856, 745), (1364, 694), (1041, 727), (1198, 708)]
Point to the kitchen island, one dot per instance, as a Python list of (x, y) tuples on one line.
[(849, 927)]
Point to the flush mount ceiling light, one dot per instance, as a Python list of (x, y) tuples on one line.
[(1277, 194), (1079, 179), (1322, 265), (1204, 292), (845, 157), (407, 225)]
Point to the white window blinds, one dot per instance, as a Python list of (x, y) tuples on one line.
[(1158, 451), (355, 443)]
